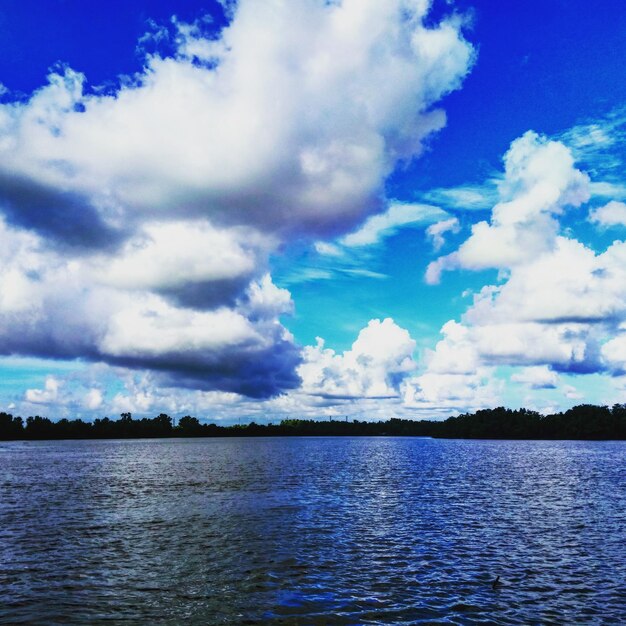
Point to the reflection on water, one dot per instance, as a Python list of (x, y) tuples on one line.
[(312, 531)]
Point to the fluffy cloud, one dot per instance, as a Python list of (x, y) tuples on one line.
[(538, 377), (165, 255), (465, 347), (374, 367), (287, 128), (454, 392), (63, 397), (614, 352), (71, 308), (454, 377), (137, 223), (559, 304), (571, 284), (47, 395), (611, 214), (539, 183), (93, 399)]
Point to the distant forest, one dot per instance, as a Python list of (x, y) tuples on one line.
[(585, 421)]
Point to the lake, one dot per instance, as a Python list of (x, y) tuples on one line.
[(312, 531)]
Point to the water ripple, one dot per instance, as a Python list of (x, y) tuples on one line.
[(312, 531)]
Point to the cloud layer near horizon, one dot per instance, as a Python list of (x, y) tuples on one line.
[(559, 307), (137, 224)]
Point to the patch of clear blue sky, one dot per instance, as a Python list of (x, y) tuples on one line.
[(96, 38), (545, 65), (24, 371), (340, 304)]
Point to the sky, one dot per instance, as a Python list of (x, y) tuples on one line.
[(252, 211)]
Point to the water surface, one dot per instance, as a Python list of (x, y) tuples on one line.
[(312, 531)]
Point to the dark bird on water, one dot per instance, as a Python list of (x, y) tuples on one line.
[(496, 582)]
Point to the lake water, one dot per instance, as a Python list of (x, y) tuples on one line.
[(312, 531)]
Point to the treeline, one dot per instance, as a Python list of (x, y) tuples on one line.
[(585, 421)]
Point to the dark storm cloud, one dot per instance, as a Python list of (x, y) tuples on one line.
[(261, 375), (206, 295), (66, 219)]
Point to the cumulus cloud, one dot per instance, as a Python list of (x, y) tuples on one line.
[(455, 392), (378, 361), (611, 214), (171, 253), (572, 393), (559, 304), (197, 264), (47, 395), (571, 284), (93, 399), (539, 183), (242, 347), (137, 222), (187, 138), (454, 377), (538, 377), (614, 352), (465, 347)]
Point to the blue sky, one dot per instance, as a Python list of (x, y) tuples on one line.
[(263, 210)]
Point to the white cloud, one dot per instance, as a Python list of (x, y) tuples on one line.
[(47, 395), (539, 182), (569, 284), (537, 377), (611, 214), (266, 302), (363, 272), (455, 353), (589, 136), (470, 352), (168, 255), (604, 189), (436, 231), (151, 327), (327, 249), (464, 197), (558, 304), (572, 393), (562, 345), (456, 392), (599, 144), (386, 224), (187, 140), (376, 364), (454, 377), (614, 352), (222, 343), (93, 399), (138, 223), (140, 401)]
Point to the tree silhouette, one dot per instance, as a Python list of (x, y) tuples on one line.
[(585, 421)]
